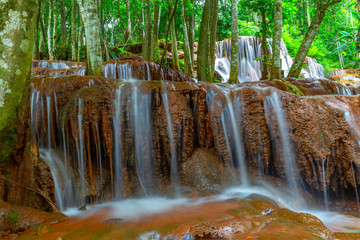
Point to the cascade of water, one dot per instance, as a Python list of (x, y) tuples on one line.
[(124, 71), (230, 120), (80, 148), (355, 185), (65, 194), (142, 134), (316, 70), (174, 168), (273, 107), (249, 68), (117, 125), (49, 121), (323, 175), (99, 152), (239, 156), (109, 70)]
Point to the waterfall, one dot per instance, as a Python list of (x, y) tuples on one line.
[(142, 136), (323, 175), (315, 69), (80, 148), (273, 107), (250, 67), (117, 125), (174, 168), (230, 120), (73, 68)]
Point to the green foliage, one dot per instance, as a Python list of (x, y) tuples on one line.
[(8, 139), (292, 88), (14, 217)]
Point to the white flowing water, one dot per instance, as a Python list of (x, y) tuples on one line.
[(273, 107), (117, 125), (174, 168), (142, 134), (80, 148), (231, 123), (250, 64)]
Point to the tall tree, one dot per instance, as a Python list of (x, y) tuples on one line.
[(276, 43), (128, 23), (90, 16), (189, 70), (203, 61), (264, 45), (17, 31), (36, 49), (323, 5), (73, 30), (213, 26), (174, 49), (155, 31), (308, 18), (63, 22), (49, 31), (234, 66), (146, 45), (191, 30)]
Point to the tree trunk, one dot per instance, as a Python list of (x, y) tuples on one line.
[(146, 45), (90, 16), (295, 69), (36, 50), (308, 13), (203, 61), (213, 24), (234, 66), (189, 70), (49, 32), (73, 31), (63, 23), (191, 34), (174, 49), (265, 72), (276, 43), (17, 30), (357, 41), (155, 32), (128, 23)]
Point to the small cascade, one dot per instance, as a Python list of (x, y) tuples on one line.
[(278, 123), (323, 176), (174, 168), (58, 68), (65, 194), (230, 121), (338, 72), (315, 70), (355, 185), (117, 126), (119, 70), (250, 67), (142, 126), (80, 147)]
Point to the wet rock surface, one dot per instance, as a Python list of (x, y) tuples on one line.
[(233, 219), (16, 219)]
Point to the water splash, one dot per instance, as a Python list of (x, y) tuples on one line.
[(273, 107), (174, 168)]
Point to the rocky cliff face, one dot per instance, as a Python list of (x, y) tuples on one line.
[(120, 139)]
